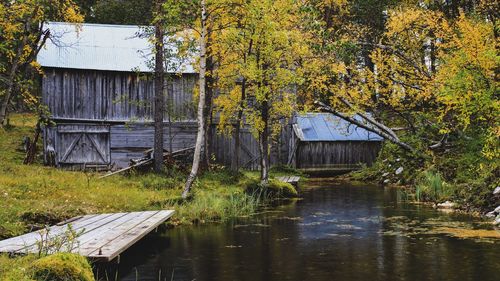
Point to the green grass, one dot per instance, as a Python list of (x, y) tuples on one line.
[(34, 195)]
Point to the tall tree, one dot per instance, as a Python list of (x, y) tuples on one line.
[(259, 69), (23, 33), (230, 47), (159, 105), (201, 103)]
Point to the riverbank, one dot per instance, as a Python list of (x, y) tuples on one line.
[(35, 195), (463, 182)]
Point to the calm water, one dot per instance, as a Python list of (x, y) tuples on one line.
[(336, 232)]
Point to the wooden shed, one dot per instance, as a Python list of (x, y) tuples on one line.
[(322, 141), (99, 89)]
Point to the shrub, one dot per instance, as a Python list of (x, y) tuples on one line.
[(63, 267), (478, 194)]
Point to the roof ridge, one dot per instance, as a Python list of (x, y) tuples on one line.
[(98, 24)]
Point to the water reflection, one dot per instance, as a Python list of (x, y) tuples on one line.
[(337, 232)]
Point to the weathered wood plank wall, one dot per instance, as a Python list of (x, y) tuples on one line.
[(103, 117), (130, 141), (122, 142), (222, 148), (320, 154), (111, 95), (119, 144)]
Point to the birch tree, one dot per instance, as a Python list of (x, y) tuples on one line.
[(260, 69), (200, 134)]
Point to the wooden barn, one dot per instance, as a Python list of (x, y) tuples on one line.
[(99, 89), (98, 86), (322, 141)]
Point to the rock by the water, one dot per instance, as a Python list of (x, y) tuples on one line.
[(447, 205), (491, 214), (386, 181), (496, 191), (497, 210), (399, 170)]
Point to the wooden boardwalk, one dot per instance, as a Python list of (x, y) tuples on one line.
[(101, 237), (293, 180)]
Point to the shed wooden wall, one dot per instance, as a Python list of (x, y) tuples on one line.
[(320, 154), (222, 147), (102, 118), (111, 95), (116, 142)]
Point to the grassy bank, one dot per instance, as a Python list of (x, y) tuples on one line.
[(34, 195), (461, 175)]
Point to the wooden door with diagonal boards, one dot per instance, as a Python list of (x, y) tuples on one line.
[(83, 144)]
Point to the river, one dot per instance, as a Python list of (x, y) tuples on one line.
[(334, 232)]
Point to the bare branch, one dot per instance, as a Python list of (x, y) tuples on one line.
[(376, 129)]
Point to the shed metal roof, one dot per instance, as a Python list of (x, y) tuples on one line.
[(101, 47), (328, 127)]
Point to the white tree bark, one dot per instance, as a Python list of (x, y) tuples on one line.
[(201, 104)]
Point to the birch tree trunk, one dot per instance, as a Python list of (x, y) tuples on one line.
[(201, 104), (209, 82), (264, 145), (159, 100)]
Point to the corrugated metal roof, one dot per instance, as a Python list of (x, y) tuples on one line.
[(328, 127), (101, 47)]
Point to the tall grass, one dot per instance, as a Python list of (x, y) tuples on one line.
[(212, 206), (432, 187)]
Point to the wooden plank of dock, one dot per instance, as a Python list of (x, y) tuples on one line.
[(103, 236), (293, 180)]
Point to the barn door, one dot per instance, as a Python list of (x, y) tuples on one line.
[(83, 144)]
